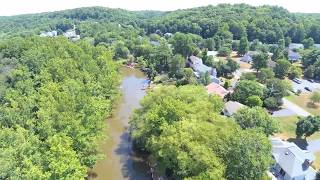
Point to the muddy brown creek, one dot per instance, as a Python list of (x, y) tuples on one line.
[(120, 160)]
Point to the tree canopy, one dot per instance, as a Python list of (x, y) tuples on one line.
[(56, 97), (256, 117), (186, 137)]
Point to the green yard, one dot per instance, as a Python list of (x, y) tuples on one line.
[(304, 102), (316, 163), (288, 128)]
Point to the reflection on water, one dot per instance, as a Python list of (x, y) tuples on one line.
[(121, 162)]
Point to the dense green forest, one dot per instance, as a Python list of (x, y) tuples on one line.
[(269, 24), (55, 93), (54, 98)]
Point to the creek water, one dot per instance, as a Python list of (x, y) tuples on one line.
[(121, 162)]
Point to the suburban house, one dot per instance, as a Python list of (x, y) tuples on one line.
[(232, 107), (49, 34), (155, 43), (293, 56), (168, 35), (72, 35), (293, 46), (292, 163), (248, 56), (214, 88), (212, 53), (198, 67)]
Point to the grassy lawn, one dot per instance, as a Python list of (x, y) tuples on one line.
[(316, 163), (304, 102), (288, 128)]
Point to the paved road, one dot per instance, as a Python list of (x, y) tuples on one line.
[(313, 146), (304, 83), (283, 113), (295, 108)]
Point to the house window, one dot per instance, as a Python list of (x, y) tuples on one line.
[(282, 172)]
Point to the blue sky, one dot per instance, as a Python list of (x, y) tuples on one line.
[(13, 7)]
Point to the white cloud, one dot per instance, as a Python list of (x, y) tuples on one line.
[(12, 7)]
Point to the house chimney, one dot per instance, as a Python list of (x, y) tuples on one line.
[(306, 164)]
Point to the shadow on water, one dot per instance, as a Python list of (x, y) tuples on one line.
[(133, 165)]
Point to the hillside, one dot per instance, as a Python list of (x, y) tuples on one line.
[(266, 23)]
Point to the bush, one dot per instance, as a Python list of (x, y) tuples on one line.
[(271, 103), (224, 51), (227, 84), (248, 76), (253, 101)]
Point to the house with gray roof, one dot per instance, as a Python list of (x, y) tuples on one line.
[(198, 67), (249, 55), (293, 46), (212, 53), (232, 107), (72, 35), (293, 56), (292, 163), (49, 34)]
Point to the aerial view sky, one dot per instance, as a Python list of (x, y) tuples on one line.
[(14, 7)]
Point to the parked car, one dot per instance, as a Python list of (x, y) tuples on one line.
[(308, 89), (297, 80), (311, 80)]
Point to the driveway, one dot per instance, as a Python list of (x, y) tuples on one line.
[(305, 83), (313, 146), (283, 113), (295, 108)]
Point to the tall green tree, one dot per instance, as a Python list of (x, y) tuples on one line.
[(176, 65), (182, 44), (265, 74), (243, 46), (282, 68), (256, 117), (245, 89), (308, 43), (315, 97), (249, 157), (307, 126), (260, 61)]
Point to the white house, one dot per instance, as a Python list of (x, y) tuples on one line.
[(248, 56), (293, 46), (198, 67), (293, 56), (72, 35), (49, 34), (168, 35), (292, 163), (212, 53)]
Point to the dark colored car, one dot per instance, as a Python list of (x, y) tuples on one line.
[(308, 89), (298, 81), (311, 80)]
